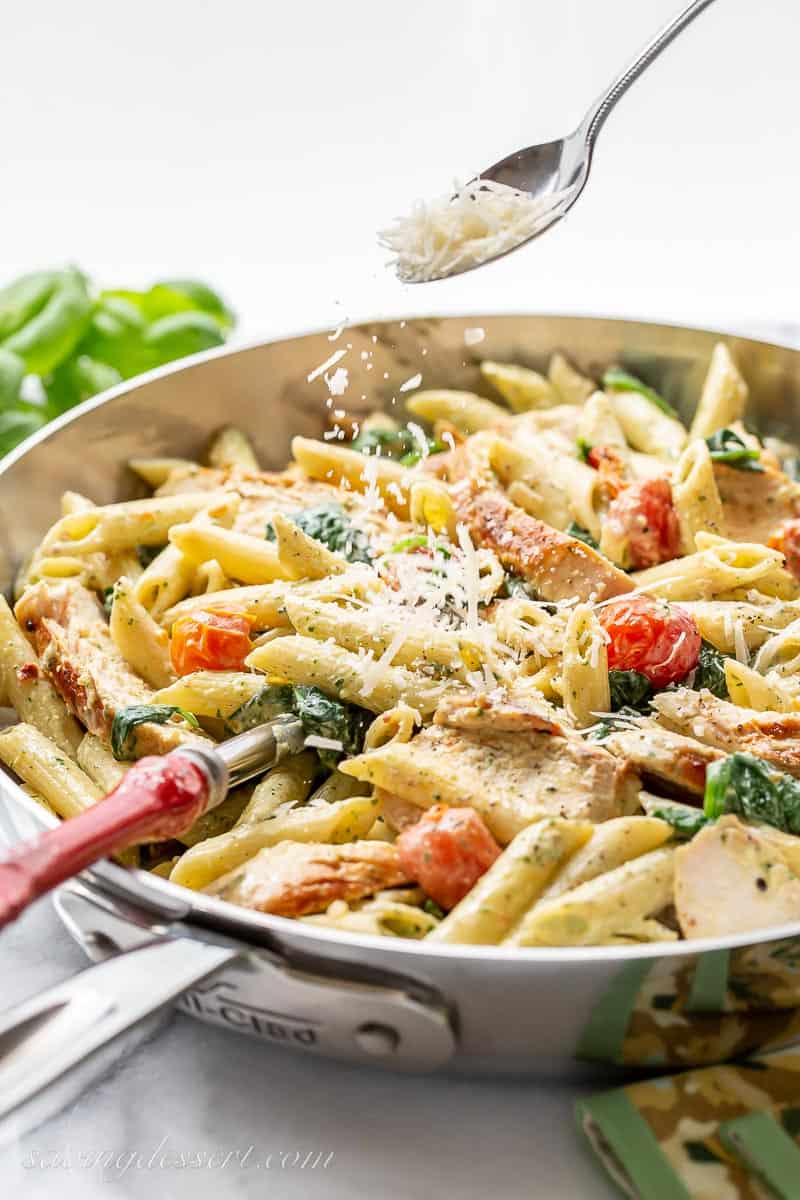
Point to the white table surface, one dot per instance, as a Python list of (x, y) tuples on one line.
[(259, 146)]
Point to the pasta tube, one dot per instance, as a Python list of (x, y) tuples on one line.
[(302, 660), (602, 908), (42, 764), (724, 396), (489, 911)]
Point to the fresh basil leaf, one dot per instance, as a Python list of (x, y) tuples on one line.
[(584, 448), (329, 524), (12, 372), (18, 423), (710, 671), (749, 787), (201, 297), (725, 446), (630, 690), (77, 380), (618, 380), (181, 334), (581, 535), (126, 720), (686, 824)]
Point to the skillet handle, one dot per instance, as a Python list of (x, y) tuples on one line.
[(55, 1045)]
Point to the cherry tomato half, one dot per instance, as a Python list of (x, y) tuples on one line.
[(644, 517), (787, 540), (210, 641), (447, 851), (658, 639)]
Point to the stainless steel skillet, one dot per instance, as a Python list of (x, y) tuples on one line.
[(393, 1003)]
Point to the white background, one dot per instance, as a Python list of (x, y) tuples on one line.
[(260, 146)]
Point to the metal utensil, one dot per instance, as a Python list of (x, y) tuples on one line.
[(157, 799), (563, 165)]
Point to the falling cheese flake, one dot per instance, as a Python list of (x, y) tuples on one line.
[(472, 337), (481, 221), (336, 357), (338, 381), (411, 383)]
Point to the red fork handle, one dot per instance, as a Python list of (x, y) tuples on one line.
[(158, 798)]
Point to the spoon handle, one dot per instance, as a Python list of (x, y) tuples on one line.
[(595, 118)]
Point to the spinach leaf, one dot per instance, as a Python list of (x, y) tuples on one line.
[(395, 443), (751, 788), (710, 671), (329, 524), (686, 824), (618, 380), (581, 535), (331, 719), (320, 715), (272, 701), (630, 690), (126, 720), (727, 447)]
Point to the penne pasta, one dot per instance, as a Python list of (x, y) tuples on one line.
[(724, 396)]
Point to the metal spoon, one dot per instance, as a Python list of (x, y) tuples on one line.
[(564, 164)]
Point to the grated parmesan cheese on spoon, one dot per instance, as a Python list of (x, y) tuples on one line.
[(481, 221)]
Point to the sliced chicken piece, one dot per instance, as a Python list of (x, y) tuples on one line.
[(499, 712), (296, 878), (772, 736), (756, 503), (510, 780), (661, 754), (78, 656), (559, 566), (729, 880)]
